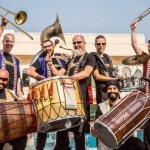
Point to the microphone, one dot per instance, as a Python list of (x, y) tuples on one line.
[(56, 41)]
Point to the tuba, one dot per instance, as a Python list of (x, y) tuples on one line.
[(49, 32), (52, 30)]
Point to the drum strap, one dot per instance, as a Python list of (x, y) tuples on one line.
[(74, 64), (4, 62), (147, 86)]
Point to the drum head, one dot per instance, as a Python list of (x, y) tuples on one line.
[(106, 135)]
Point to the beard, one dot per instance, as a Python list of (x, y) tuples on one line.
[(78, 52), (113, 96), (2, 87)]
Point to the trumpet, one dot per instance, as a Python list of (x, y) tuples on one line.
[(19, 18)]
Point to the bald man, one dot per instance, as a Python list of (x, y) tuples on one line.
[(7, 95)]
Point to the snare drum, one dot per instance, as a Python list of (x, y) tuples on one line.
[(58, 103), (116, 126), (17, 119)]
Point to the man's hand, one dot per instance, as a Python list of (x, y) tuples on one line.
[(133, 25), (4, 21), (94, 132), (48, 59)]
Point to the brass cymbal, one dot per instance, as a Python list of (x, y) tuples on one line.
[(136, 59)]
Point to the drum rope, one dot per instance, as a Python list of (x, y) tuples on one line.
[(147, 86)]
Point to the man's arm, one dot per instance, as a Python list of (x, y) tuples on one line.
[(31, 71), (100, 77), (84, 74), (3, 25), (134, 43), (55, 71)]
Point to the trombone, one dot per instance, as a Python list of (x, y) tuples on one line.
[(19, 18)]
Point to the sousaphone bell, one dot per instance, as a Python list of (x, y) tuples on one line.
[(53, 30)]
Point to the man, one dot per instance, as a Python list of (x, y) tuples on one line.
[(44, 67), (10, 62), (7, 95), (146, 71), (112, 89), (104, 70), (80, 68)]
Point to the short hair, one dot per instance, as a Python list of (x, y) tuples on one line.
[(80, 36), (9, 34), (46, 41), (148, 41), (99, 36)]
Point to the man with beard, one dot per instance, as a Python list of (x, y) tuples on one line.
[(112, 89), (6, 96), (45, 67), (79, 67)]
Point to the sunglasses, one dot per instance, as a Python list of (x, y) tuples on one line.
[(78, 42), (4, 79), (98, 44)]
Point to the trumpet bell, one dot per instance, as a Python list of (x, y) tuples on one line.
[(20, 17)]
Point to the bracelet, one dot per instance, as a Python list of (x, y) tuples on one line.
[(50, 64)]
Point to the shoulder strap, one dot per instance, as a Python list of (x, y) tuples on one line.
[(108, 58), (100, 59), (83, 62)]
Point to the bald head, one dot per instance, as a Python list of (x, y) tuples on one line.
[(4, 77), (4, 73)]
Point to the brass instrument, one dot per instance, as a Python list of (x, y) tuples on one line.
[(144, 14), (19, 18), (49, 32), (52, 30)]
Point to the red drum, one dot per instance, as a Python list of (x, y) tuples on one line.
[(17, 119), (58, 103), (116, 126)]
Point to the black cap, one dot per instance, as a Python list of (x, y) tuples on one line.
[(112, 82)]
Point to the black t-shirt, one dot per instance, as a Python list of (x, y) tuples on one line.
[(88, 60), (10, 69)]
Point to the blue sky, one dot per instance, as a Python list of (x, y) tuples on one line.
[(85, 16)]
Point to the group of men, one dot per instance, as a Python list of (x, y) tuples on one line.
[(80, 67)]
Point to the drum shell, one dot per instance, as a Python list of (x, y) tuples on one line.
[(116, 126), (50, 104), (17, 119)]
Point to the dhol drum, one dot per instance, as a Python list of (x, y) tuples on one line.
[(17, 119), (58, 103), (116, 126)]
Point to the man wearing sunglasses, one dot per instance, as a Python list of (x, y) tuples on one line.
[(6, 95), (80, 67), (9, 61), (104, 70)]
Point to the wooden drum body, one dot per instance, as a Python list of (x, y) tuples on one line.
[(17, 119), (116, 126), (58, 103)]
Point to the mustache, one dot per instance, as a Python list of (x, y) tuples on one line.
[(113, 96)]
